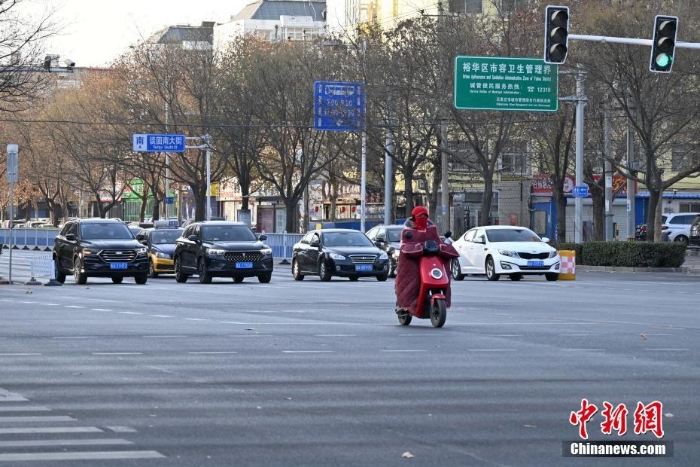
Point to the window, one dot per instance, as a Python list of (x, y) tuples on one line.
[(683, 156), (513, 163), (466, 6)]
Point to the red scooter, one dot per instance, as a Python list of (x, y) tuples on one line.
[(422, 280)]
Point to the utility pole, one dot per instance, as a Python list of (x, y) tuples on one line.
[(444, 187), (607, 148), (388, 162), (630, 163)]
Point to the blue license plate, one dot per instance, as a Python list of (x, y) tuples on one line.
[(244, 265), (535, 264), (363, 267), (118, 266)]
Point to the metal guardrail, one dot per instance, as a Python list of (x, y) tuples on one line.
[(29, 239)]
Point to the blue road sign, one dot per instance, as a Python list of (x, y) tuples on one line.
[(339, 106), (158, 143), (169, 200), (580, 191)]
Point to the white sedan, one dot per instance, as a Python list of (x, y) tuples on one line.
[(497, 250)]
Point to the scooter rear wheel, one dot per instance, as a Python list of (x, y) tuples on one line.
[(404, 318), (438, 312)]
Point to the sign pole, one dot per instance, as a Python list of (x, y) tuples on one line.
[(12, 178), (578, 201)]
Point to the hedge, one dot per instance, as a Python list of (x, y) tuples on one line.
[(628, 254)]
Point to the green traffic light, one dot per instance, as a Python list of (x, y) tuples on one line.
[(663, 60)]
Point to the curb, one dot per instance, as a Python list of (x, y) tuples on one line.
[(692, 271)]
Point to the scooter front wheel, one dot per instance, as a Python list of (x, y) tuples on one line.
[(438, 312)]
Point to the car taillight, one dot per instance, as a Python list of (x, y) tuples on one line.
[(664, 227)]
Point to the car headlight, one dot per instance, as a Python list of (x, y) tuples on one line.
[(553, 254), (336, 256), (160, 254), (88, 252), (141, 251), (396, 253), (266, 251), (383, 255), (512, 254), (215, 252)]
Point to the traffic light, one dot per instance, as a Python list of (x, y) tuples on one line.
[(664, 43), (556, 39)]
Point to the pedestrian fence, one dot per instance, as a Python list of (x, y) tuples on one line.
[(282, 244)]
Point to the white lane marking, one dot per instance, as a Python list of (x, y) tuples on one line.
[(668, 350), (117, 353), (63, 442), (31, 408), (74, 337), (491, 350), (407, 350), (19, 354), (74, 306), (196, 319), (63, 456), (162, 316), (162, 337), (419, 335), (28, 303), (336, 335), (62, 429), (251, 335), (211, 353), (130, 313), (308, 351), (100, 309), (583, 350), (121, 429), (504, 335), (49, 418), (51, 304)]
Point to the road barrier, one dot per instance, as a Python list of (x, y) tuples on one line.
[(282, 244), (29, 239), (568, 265)]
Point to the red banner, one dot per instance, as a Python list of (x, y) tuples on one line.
[(542, 184)]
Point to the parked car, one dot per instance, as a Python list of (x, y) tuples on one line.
[(338, 252), (221, 249), (694, 239), (160, 244), (677, 226), (498, 250), (99, 248), (640, 233), (388, 238)]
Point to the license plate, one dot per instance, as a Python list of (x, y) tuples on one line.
[(118, 266), (244, 265), (363, 267), (535, 264)]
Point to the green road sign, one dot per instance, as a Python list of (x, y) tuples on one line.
[(500, 83)]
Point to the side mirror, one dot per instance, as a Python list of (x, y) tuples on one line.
[(479, 240), (143, 241), (545, 239), (262, 237), (314, 244), (70, 237), (192, 238)]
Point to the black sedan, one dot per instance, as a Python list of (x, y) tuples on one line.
[(338, 252)]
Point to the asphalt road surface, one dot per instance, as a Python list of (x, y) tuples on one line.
[(322, 374)]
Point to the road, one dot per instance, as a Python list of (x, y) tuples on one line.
[(319, 374)]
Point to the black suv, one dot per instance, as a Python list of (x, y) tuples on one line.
[(222, 249), (99, 248)]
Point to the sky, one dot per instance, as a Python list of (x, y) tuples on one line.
[(96, 32)]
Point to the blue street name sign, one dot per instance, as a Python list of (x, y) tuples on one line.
[(158, 143), (580, 191), (169, 200), (339, 106)]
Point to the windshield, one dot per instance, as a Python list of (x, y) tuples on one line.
[(512, 235), (105, 231), (346, 239), (227, 233), (394, 235), (165, 236)]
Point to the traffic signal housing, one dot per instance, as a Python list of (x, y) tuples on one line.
[(663, 44), (556, 39)]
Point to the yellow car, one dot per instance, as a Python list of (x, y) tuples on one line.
[(160, 244)]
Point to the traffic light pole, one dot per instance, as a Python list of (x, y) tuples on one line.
[(629, 40)]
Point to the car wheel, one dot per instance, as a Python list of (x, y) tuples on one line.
[(456, 272), (296, 271), (382, 277), (404, 317), (551, 277), (151, 270), (265, 278), (237, 280), (141, 279), (179, 275), (323, 272), (204, 276), (516, 277), (60, 276), (491, 270), (79, 277), (682, 239), (117, 280)]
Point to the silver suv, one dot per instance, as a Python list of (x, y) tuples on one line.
[(676, 226), (694, 239)]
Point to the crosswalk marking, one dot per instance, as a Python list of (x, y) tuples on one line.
[(33, 418), (64, 456), (64, 442), (51, 429)]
